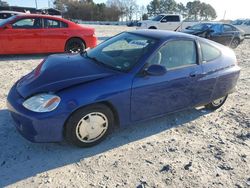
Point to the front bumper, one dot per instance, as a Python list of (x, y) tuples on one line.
[(35, 127)]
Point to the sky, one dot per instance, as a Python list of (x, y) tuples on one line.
[(234, 9)]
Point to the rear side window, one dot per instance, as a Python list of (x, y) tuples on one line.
[(50, 23), (228, 28), (171, 19), (209, 52)]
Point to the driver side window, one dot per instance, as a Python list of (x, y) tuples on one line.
[(176, 54), (27, 23)]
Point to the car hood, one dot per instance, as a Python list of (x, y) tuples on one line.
[(58, 72)]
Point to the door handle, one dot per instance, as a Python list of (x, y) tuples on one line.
[(193, 74)]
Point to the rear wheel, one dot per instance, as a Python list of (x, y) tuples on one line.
[(235, 43), (152, 27), (90, 125), (216, 103), (74, 45)]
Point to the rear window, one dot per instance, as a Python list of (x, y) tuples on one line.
[(50, 23), (209, 52), (173, 18)]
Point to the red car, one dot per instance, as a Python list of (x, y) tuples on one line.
[(28, 34)]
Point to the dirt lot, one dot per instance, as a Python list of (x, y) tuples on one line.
[(194, 148)]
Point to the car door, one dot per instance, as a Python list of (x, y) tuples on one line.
[(55, 35), (23, 36), (228, 34), (215, 33), (156, 95)]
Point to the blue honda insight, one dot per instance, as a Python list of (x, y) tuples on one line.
[(131, 77)]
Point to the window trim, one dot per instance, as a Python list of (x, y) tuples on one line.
[(25, 18), (201, 55), (60, 23)]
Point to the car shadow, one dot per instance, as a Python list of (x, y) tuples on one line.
[(21, 159)]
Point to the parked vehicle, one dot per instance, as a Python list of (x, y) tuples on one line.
[(32, 33), (243, 24), (7, 14), (132, 23), (165, 22), (225, 34), (131, 77)]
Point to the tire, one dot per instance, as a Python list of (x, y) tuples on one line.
[(81, 132), (216, 103), (235, 42), (152, 27), (74, 45)]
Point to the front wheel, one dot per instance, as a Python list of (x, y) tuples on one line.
[(74, 45), (89, 126), (235, 43), (216, 103)]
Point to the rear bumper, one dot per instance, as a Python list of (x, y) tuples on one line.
[(35, 127), (91, 41)]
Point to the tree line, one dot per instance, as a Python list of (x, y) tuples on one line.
[(193, 10), (3, 3), (127, 10)]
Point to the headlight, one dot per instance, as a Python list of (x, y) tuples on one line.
[(42, 103)]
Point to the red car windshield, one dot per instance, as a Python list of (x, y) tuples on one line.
[(5, 21)]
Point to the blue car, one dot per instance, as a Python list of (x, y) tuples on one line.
[(131, 77)]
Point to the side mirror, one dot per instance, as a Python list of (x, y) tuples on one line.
[(164, 20), (188, 27), (211, 30), (8, 26), (155, 70)]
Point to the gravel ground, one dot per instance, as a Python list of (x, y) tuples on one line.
[(194, 148)]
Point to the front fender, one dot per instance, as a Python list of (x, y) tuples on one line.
[(105, 90)]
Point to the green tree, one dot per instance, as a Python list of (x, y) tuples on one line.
[(61, 4), (182, 10), (168, 6), (144, 17), (154, 7), (193, 9), (162, 6), (207, 12)]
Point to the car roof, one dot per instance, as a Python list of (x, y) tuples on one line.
[(42, 16), (162, 34)]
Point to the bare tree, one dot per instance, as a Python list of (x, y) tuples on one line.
[(3, 3)]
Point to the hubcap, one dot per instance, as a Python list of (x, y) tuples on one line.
[(234, 43), (219, 101), (75, 48), (91, 127)]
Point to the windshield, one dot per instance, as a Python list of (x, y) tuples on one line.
[(3, 22), (237, 22), (200, 27), (157, 18), (121, 52)]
